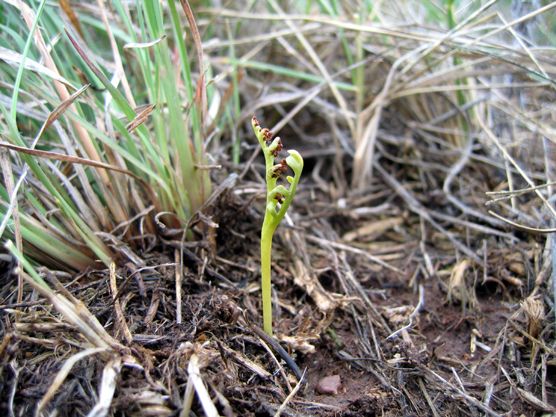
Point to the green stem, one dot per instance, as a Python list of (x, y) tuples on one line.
[(266, 287)]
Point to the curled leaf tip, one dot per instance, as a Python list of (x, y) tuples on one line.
[(295, 161)]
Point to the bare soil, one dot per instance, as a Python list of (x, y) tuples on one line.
[(431, 368)]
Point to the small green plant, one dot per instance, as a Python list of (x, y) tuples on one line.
[(278, 200)]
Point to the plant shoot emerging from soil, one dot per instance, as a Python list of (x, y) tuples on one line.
[(278, 199)]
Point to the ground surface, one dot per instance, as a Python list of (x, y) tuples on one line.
[(405, 338), (396, 292)]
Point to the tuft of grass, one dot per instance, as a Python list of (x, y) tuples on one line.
[(131, 142)]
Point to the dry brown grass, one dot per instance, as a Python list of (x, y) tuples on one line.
[(391, 271)]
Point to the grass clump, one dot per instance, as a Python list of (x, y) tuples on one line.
[(127, 145)]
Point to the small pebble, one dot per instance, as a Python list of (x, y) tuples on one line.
[(329, 385)]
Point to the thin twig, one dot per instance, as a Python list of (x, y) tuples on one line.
[(290, 396), (278, 349), (446, 384), (178, 256), (420, 305), (348, 248)]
